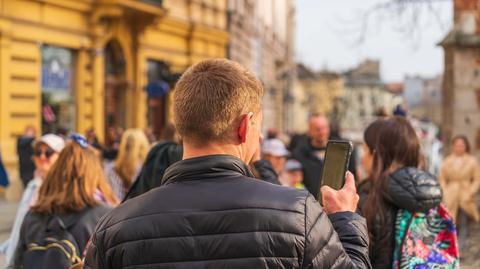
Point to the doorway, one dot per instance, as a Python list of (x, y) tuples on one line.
[(115, 91)]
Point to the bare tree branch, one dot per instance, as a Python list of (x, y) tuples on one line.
[(403, 16)]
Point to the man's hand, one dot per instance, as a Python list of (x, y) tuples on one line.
[(345, 199)]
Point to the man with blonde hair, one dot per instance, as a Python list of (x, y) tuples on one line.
[(210, 212)]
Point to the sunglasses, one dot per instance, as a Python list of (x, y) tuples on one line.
[(48, 153)]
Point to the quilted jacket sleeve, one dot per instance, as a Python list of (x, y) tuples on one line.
[(336, 241), (92, 258)]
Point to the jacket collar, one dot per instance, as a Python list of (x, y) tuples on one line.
[(204, 167)]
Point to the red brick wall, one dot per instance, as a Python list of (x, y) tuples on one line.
[(467, 5), (464, 5)]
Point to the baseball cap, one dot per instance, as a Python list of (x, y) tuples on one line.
[(292, 165), (275, 147), (54, 141)]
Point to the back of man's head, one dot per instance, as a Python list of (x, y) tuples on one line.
[(209, 99)]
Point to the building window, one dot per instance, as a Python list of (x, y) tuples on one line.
[(58, 94)]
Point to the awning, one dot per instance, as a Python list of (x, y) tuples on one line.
[(157, 89)]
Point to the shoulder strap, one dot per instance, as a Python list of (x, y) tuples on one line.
[(66, 222)]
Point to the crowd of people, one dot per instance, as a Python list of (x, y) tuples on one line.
[(214, 193)]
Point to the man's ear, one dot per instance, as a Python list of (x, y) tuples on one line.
[(244, 127)]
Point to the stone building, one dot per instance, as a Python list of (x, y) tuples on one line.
[(318, 93), (423, 98), (365, 97), (461, 79), (300, 100), (98, 63), (261, 38)]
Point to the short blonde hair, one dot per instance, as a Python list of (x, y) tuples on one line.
[(211, 96)]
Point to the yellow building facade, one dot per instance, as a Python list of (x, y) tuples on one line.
[(97, 55), (325, 91)]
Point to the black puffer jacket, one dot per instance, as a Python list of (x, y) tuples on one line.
[(407, 188), (210, 213)]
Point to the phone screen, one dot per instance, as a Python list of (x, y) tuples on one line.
[(335, 165)]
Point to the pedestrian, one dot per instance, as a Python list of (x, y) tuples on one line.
[(72, 199), (460, 179), (4, 181), (210, 212), (263, 169), (150, 135), (165, 153), (391, 159), (133, 150), (25, 154), (310, 152), (112, 143), (92, 139), (46, 150), (292, 175), (274, 151), (272, 162)]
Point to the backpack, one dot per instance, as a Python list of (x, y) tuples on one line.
[(58, 249), (425, 240)]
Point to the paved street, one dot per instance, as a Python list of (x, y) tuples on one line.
[(7, 211), (471, 259)]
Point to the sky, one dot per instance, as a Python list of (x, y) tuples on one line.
[(327, 36)]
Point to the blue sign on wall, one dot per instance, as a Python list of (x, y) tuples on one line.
[(56, 69)]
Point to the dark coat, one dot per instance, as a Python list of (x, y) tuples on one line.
[(211, 213), (407, 188), (34, 228), (266, 172), (4, 182), (25, 154), (313, 166), (159, 158)]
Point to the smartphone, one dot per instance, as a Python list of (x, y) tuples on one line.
[(335, 165)]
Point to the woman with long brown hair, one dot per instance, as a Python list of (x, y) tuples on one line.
[(133, 150), (74, 193), (391, 159)]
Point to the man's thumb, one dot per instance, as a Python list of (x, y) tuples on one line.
[(326, 189), (350, 182)]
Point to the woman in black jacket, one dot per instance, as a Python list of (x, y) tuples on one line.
[(73, 196), (391, 160)]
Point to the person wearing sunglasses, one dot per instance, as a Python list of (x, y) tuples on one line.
[(72, 199), (46, 150)]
